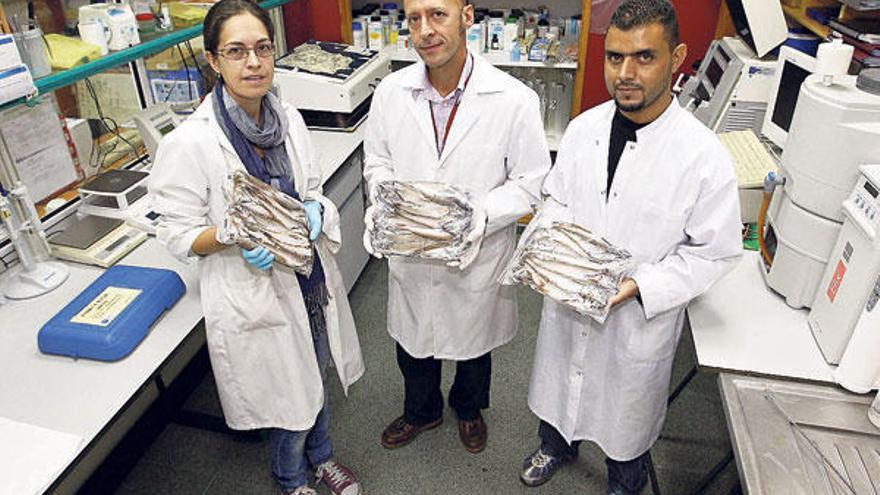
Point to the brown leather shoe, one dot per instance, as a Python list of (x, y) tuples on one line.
[(400, 433), (473, 434)]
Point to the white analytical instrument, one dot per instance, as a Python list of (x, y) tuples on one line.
[(154, 123), (844, 318), (329, 83), (835, 130), (118, 20), (96, 240), (120, 194), (731, 88)]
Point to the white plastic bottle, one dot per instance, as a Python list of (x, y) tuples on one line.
[(358, 36), (475, 40)]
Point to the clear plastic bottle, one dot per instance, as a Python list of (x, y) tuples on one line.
[(386, 26), (358, 36), (376, 39)]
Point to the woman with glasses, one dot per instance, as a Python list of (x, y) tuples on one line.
[(271, 332)]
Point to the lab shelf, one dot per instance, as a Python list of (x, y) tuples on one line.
[(498, 60), (63, 78), (800, 16)]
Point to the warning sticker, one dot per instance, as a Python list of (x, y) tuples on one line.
[(836, 279), (109, 304)]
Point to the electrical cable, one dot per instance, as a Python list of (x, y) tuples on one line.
[(186, 69)]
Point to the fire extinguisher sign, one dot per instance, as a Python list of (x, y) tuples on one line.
[(836, 279)]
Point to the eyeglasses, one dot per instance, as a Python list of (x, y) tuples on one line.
[(237, 53)]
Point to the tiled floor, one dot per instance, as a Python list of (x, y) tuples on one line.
[(160, 457)]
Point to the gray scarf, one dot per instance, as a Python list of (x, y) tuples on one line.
[(269, 136)]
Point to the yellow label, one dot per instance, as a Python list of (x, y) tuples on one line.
[(106, 307)]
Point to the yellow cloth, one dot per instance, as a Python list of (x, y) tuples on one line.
[(66, 52), (185, 15)]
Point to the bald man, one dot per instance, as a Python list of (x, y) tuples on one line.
[(453, 118)]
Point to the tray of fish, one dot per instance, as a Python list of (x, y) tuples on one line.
[(570, 265), (422, 219), (259, 214)]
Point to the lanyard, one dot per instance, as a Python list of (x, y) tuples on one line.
[(442, 145)]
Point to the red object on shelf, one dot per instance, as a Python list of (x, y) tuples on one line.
[(312, 19)]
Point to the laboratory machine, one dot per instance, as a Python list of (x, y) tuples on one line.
[(95, 240), (331, 84), (835, 130), (118, 21), (761, 24), (793, 67), (730, 90), (154, 123), (36, 273), (850, 287), (122, 194)]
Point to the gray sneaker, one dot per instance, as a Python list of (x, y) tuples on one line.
[(338, 478), (539, 467)]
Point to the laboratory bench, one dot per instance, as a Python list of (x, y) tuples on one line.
[(85, 407), (778, 393)]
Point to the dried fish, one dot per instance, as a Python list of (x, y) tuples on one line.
[(259, 214), (430, 220), (571, 265), (312, 58)]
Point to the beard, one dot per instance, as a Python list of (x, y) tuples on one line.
[(651, 95)]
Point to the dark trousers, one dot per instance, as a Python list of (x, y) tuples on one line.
[(630, 475), (423, 400)]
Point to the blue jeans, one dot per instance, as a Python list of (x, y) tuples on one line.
[(294, 452)]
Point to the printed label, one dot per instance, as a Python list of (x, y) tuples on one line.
[(109, 304), (836, 279)]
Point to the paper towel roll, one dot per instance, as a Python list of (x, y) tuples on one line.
[(859, 367), (833, 59)]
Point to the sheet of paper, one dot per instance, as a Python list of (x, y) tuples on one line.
[(32, 457), (35, 137)]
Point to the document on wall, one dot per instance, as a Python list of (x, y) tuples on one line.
[(36, 139), (31, 457)]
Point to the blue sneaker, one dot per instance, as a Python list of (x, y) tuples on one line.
[(539, 467)]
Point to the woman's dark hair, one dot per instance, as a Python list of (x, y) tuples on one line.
[(222, 11)]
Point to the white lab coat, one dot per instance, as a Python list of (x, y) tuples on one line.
[(496, 148), (257, 327), (674, 206)]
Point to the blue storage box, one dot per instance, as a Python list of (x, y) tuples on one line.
[(108, 319)]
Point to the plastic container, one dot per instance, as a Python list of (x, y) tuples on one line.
[(496, 31), (403, 39), (146, 23), (376, 39), (386, 26), (358, 36), (475, 40), (33, 51)]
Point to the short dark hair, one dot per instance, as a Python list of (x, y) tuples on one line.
[(223, 10), (633, 13)]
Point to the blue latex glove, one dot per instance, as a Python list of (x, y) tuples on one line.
[(259, 257), (315, 215)]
